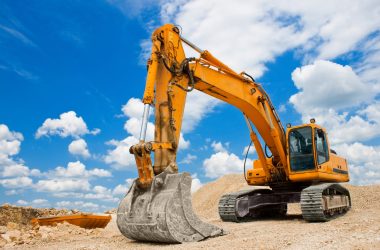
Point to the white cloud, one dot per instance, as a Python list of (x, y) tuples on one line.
[(222, 162), (9, 142), (325, 85), (22, 202), (119, 157), (198, 106), (79, 147), (62, 185), (196, 183), (122, 189), (14, 171), (72, 181), (282, 108), (189, 158), (18, 182), (218, 147), (78, 169), (40, 202), (79, 205), (101, 193), (362, 161), (267, 29), (372, 112), (134, 108), (251, 150), (68, 124)]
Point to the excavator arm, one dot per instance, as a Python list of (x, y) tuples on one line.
[(171, 75), (158, 206)]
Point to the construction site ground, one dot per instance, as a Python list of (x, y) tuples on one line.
[(358, 229)]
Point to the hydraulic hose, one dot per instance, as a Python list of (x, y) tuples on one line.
[(245, 159)]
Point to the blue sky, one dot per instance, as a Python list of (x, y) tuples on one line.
[(70, 73)]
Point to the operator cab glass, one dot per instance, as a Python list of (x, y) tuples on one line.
[(321, 146), (301, 149)]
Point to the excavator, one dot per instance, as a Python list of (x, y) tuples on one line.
[(301, 168)]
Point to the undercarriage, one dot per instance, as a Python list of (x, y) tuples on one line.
[(320, 202)]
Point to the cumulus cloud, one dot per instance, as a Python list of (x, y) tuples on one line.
[(196, 183), (79, 205), (218, 147), (79, 147), (189, 158), (252, 150), (17, 182), (223, 162), (78, 169), (122, 189), (68, 124), (101, 193), (22, 202), (14, 172), (9, 142), (316, 84), (198, 106), (62, 185), (72, 181), (119, 157), (267, 29), (363, 162)]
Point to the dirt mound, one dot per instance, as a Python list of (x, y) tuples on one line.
[(206, 199), (23, 215)]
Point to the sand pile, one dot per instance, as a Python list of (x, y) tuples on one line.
[(206, 199)]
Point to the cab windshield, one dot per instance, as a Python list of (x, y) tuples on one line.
[(301, 149)]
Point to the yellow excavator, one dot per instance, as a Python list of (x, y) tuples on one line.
[(301, 168)]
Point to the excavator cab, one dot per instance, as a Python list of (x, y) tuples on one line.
[(301, 149), (310, 157)]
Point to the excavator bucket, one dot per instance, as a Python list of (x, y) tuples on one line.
[(163, 212)]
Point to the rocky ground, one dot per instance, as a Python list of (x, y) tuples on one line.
[(358, 229)]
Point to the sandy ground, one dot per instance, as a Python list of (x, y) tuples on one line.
[(358, 229)]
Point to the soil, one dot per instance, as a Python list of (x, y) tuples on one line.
[(358, 229)]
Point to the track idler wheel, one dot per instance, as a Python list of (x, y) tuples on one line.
[(163, 212)]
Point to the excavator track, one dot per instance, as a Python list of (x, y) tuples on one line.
[(324, 202), (227, 205), (251, 204)]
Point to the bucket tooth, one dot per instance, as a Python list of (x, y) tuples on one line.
[(163, 212)]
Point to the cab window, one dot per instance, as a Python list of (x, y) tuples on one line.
[(321, 146), (301, 149)]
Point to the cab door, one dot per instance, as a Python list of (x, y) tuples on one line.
[(321, 149)]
